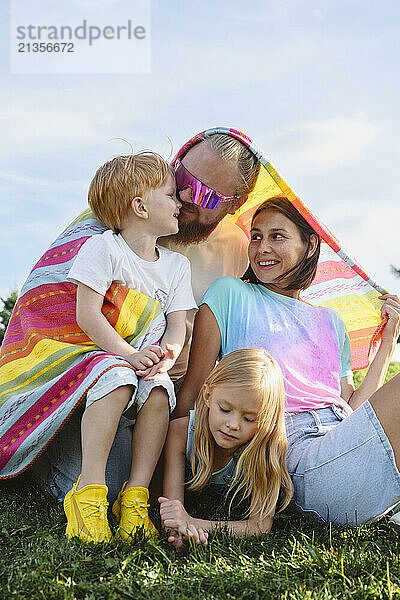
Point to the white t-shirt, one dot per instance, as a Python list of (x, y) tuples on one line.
[(224, 252), (107, 258)]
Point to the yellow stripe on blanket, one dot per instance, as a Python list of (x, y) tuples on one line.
[(265, 188), (42, 351), (358, 312), (132, 310)]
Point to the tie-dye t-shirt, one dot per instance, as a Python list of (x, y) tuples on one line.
[(310, 343)]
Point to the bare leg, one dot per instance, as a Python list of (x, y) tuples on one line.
[(386, 404), (148, 438), (99, 424)]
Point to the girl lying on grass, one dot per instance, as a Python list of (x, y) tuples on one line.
[(234, 441)]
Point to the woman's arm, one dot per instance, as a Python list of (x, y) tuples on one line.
[(92, 321), (204, 351), (376, 373)]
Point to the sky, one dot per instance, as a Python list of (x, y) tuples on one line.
[(314, 82)]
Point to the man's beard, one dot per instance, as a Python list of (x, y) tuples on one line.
[(192, 232)]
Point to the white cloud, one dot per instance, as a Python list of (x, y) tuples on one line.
[(94, 3), (26, 180), (371, 236), (41, 129), (324, 145), (68, 121)]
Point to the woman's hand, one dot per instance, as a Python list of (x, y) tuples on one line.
[(180, 524), (390, 313), (166, 363), (375, 376)]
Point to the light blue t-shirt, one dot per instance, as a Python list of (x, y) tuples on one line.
[(310, 343)]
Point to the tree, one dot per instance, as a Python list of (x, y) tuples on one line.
[(395, 271), (5, 313)]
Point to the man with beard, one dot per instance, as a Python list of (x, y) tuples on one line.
[(214, 245), (216, 170)]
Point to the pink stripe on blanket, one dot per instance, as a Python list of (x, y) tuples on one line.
[(340, 269), (48, 403), (34, 310), (60, 254)]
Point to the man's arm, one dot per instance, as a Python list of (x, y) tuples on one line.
[(174, 459), (204, 352)]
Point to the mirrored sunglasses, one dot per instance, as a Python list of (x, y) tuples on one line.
[(202, 195)]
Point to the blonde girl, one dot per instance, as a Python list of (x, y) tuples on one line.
[(234, 440)]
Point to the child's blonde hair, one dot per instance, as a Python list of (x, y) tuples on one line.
[(121, 179), (261, 468)]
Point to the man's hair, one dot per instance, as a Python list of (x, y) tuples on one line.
[(229, 148), (301, 276), (121, 179)]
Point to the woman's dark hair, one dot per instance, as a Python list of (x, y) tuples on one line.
[(301, 275)]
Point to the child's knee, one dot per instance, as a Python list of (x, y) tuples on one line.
[(124, 392), (158, 398), (117, 399)]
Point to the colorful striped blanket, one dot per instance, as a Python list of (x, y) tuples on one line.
[(340, 283), (47, 363)]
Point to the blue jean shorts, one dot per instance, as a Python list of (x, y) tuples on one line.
[(342, 467)]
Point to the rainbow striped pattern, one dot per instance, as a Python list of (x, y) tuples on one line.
[(341, 283), (47, 363)]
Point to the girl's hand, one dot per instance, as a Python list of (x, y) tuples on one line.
[(182, 526), (146, 358), (177, 539), (390, 313), (166, 363)]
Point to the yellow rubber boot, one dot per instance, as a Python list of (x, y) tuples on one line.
[(86, 512), (130, 509)]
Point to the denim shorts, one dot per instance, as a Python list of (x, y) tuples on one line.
[(342, 467), (119, 376)]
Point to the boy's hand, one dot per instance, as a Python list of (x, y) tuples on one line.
[(180, 524), (146, 358), (171, 353)]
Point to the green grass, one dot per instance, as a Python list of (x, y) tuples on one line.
[(299, 559), (394, 368)]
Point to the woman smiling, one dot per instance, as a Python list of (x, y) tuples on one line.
[(283, 247), (343, 462)]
